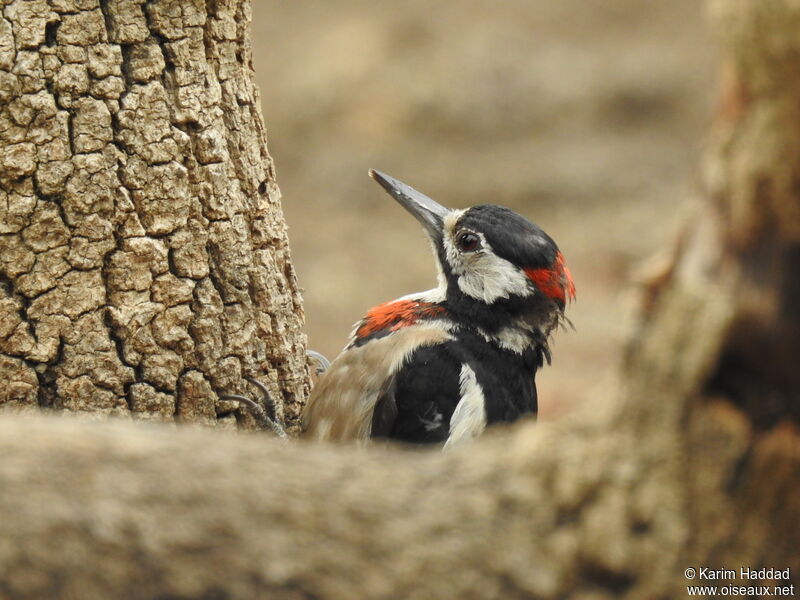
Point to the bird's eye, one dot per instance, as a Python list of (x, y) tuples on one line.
[(468, 242)]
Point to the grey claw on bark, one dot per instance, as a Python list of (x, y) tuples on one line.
[(263, 420), (322, 362)]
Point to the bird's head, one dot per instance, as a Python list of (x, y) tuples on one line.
[(489, 255)]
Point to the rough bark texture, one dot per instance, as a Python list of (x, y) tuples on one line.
[(739, 285), (697, 462), (143, 255)]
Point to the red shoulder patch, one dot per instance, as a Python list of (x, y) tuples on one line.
[(397, 314), (556, 281)]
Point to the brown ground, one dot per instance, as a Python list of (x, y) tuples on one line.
[(585, 116)]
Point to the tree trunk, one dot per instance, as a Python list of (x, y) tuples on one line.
[(144, 256), (696, 463)]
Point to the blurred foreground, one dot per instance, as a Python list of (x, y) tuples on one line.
[(586, 117)]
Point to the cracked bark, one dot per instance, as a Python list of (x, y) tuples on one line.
[(145, 263), (695, 463)]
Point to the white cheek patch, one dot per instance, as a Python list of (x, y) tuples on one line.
[(469, 417), (488, 277), (482, 274)]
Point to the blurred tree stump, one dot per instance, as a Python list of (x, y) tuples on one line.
[(695, 464), (145, 264)]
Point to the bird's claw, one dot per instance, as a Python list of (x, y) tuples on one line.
[(262, 415), (263, 420), (322, 363)]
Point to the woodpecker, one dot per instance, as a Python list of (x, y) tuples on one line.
[(440, 366)]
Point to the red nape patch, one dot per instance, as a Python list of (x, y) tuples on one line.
[(556, 281), (397, 314)]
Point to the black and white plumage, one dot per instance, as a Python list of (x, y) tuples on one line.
[(439, 366)]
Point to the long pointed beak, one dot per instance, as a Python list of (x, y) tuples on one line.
[(425, 210)]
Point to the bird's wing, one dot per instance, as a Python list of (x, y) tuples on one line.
[(342, 406)]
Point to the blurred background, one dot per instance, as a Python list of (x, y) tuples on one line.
[(586, 116)]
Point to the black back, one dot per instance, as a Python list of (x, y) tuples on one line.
[(425, 392)]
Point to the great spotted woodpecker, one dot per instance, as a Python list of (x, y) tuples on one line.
[(439, 366)]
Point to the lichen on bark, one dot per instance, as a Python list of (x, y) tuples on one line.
[(144, 259)]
